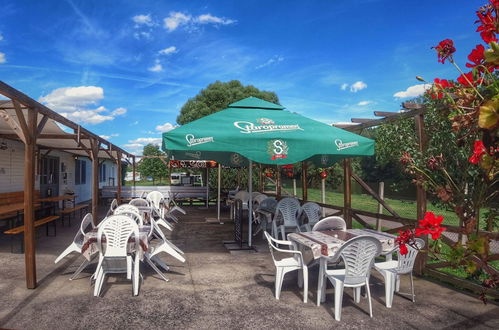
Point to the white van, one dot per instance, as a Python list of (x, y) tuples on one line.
[(176, 178)]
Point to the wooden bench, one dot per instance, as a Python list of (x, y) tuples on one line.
[(40, 222), (70, 211), (13, 198)]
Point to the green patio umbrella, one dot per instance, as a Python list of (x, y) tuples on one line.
[(256, 130)]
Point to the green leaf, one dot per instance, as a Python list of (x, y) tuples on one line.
[(489, 114)]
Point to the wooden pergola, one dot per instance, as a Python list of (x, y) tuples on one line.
[(37, 126)]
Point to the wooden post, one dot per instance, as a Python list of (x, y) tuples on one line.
[(347, 192), (304, 187), (323, 196), (420, 262), (94, 152), (207, 184), (118, 177), (381, 193), (133, 170), (278, 182), (29, 188), (261, 187)]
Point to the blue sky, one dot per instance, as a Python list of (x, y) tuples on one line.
[(123, 69)]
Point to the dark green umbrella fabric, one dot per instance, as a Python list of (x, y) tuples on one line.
[(262, 132)]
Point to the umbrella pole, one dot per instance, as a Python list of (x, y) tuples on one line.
[(250, 202), (218, 190)]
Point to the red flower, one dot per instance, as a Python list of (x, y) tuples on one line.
[(476, 56), (445, 49), (438, 86), (478, 151), (466, 79), (405, 237), (430, 225), (488, 26)]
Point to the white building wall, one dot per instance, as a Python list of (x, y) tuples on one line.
[(12, 171)]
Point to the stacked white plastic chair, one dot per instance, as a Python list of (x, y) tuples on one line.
[(285, 265), (139, 202), (358, 256), (287, 211), (244, 196), (155, 199), (391, 271), (257, 217), (171, 206), (114, 258), (268, 206), (311, 211), (131, 211), (330, 223), (75, 246), (112, 207)]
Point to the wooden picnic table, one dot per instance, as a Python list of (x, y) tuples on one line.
[(57, 198), (14, 208)]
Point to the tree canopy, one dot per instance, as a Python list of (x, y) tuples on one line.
[(152, 167), (217, 96)]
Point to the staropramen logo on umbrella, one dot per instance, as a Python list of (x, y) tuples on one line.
[(264, 125), (192, 141), (277, 149)]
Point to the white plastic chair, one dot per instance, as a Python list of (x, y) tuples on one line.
[(75, 246), (358, 256), (139, 202), (170, 209), (287, 211), (330, 223), (285, 265), (391, 271), (130, 210), (311, 211), (114, 205), (155, 199), (264, 213), (114, 258)]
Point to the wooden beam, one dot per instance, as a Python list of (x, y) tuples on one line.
[(133, 170), (361, 120), (376, 122), (22, 121), (278, 181), (29, 200), (94, 152), (347, 192), (13, 125), (412, 106), (109, 154), (374, 194), (27, 101), (118, 177), (41, 124), (385, 113), (361, 221)]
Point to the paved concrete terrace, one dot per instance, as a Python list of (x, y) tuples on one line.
[(214, 289)]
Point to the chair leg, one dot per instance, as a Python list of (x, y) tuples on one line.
[(369, 297), (390, 279), (279, 275), (156, 269), (356, 294), (412, 288), (338, 299), (84, 264), (305, 284), (397, 283)]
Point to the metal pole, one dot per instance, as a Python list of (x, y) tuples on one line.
[(250, 201), (323, 193), (207, 186), (218, 194), (294, 187), (381, 193)]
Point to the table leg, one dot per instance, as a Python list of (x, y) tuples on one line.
[(320, 281)]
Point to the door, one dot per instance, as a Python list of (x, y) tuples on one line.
[(49, 176)]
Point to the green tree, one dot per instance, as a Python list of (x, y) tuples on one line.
[(152, 167), (217, 96)]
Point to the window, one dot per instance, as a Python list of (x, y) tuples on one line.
[(80, 172), (102, 173)]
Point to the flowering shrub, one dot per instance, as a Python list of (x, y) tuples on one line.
[(466, 184)]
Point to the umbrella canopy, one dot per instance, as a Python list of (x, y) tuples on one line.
[(257, 130)]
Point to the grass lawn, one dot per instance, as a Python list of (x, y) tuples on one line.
[(163, 182)]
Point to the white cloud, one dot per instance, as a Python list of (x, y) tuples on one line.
[(208, 18), (362, 103), (2, 58), (107, 137), (165, 127), (176, 19), (146, 140), (142, 35), (1, 36), (157, 67), (75, 103), (168, 51), (134, 123), (136, 146), (119, 111), (143, 20), (274, 60), (412, 91), (357, 86), (344, 86)]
